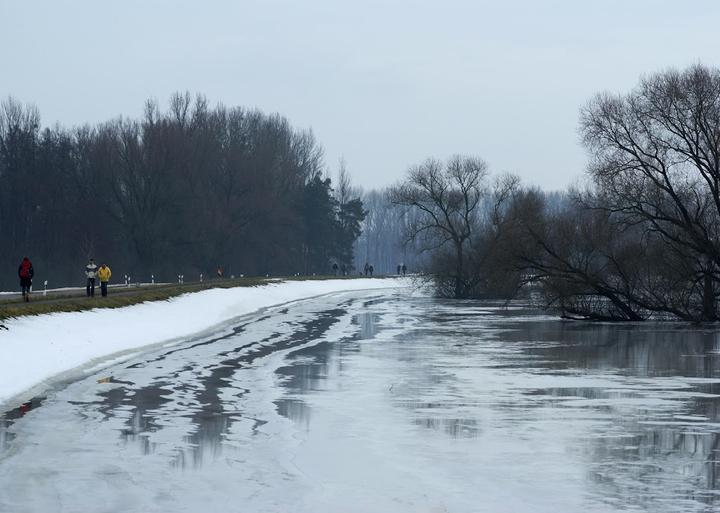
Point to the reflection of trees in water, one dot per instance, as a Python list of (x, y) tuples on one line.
[(660, 440), (430, 391), (368, 322), (455, 428), (308, 368), (627, 456), (644, 455), (676, 444), (652, 349), (651, 446), (450, 411), (682, 457)]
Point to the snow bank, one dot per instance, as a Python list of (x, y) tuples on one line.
[(37, 348)]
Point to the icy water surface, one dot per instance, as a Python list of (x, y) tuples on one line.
[(383, 402)]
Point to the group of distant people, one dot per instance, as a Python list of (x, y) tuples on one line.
[(368, 269), (92, 273)]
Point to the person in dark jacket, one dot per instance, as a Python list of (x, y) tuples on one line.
[(26, 273)]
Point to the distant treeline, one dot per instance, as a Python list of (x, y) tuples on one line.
[(383, 242), (640, 240), (177, 192)]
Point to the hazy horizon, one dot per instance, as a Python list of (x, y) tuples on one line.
[(384, 85)]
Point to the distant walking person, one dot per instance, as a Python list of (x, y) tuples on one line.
[(399, 267), (90, 272), (366, 268), (372, 270), (404, 269), (26, 273), (335, 268), (104, 274)]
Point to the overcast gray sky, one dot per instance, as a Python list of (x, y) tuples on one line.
[(383, 83)]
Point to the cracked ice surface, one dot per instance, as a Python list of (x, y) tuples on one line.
[(386, 402)]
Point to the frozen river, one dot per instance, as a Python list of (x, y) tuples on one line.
[(382, 402)]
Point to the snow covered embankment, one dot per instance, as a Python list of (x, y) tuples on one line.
[(36, 348)]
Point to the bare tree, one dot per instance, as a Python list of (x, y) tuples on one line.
[(181, 190), (344, 190), (656, 164), (586, 267), (495, 269), (448, 197)]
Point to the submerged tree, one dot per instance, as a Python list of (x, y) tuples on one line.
[(656, 166), (447, 197)]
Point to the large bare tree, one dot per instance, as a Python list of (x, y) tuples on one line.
[(448, 197), (656, 164)]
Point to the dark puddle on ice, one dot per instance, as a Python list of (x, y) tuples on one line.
[(9, 417), (309, 368), (205, 390)]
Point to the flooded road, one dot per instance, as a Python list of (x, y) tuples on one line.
[(383, 402)]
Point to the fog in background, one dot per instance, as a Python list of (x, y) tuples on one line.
[(383, 83)]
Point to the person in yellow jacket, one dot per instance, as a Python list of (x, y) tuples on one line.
[(104, 274)]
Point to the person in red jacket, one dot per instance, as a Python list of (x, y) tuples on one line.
[(26, 273)]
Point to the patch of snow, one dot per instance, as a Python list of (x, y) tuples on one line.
[(38, 348)]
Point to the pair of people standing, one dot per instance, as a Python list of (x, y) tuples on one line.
[(102, 273)]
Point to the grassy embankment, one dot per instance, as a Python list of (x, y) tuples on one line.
[(120, 296)]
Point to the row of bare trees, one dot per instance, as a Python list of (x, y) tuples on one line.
[(383, 241), (179, 191), (639, 240)]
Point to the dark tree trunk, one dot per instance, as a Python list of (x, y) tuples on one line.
[(459, 292), (709, 313)]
